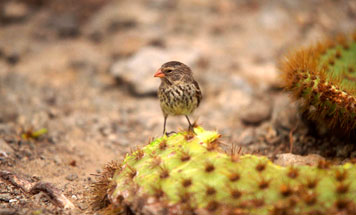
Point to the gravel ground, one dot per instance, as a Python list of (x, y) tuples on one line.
[(83, 70)]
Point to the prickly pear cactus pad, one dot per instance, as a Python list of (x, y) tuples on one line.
[(323, 77), (189, 174)]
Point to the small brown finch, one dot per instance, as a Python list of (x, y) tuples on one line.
[(179, 93)]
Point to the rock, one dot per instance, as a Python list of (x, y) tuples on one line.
[(2, 53), (5, 211), (268, 133), (218, 80), (82, 206), (66, 25), (13, 58), (95, 36), (5, 149), (14, 11), (285, 113), (12, 200), (118, 24), (288, 159), (124, 142), (139, 69), (353, 155), (345, 150), (255, 113), (5, 198), (272, 17), (57, 159), (71, 177), (263, 75), (246, 137)]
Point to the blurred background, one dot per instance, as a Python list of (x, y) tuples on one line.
[(83, 69)]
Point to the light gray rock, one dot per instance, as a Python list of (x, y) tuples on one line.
[(14, 10), (257, 112), (232, 101), (139, 69), (246, 137), (288, 159), (272, 17), (219, 82)]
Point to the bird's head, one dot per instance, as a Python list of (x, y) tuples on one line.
[(173, 72)]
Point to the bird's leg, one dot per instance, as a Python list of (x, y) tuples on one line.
[(164, 127), (190, 128)]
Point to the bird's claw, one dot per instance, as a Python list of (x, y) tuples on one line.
[(191, 129), (170, 133)]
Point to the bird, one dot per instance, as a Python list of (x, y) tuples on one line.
[(178, 93)]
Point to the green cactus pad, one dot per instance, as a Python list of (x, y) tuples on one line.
[(189, 174), (323, 77)]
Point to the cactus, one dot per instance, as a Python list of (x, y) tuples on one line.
[(323, 77), (190, 174)]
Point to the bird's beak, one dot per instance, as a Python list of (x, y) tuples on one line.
[(159, 74)]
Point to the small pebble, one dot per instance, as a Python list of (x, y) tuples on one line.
[(57, 159), (71, 177), (82, 206), (12, 200)]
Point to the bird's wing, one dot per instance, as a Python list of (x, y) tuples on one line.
[(199, 95)]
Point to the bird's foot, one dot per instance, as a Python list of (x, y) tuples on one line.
[(170, 133), (190, 133), (191, 129)]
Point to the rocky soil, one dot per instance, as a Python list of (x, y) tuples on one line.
[(83, 70)]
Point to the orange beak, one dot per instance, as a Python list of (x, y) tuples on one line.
[(159, 74)]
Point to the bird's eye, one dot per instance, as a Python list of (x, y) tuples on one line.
[(168, 70)]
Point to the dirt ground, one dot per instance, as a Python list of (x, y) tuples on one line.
[(84, 69)]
